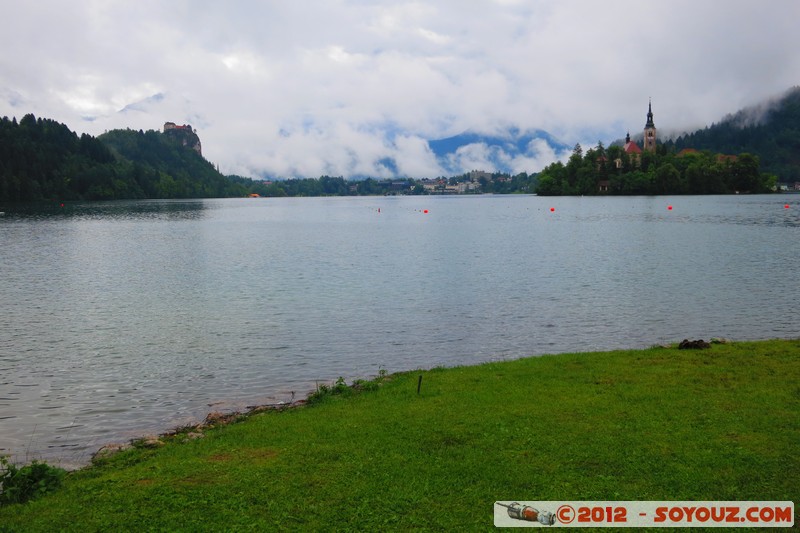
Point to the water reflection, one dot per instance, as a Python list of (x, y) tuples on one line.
[(116, 210), (767, 210)]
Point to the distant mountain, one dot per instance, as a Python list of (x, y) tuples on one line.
[(498, 153), (144, 104), (770, 130)]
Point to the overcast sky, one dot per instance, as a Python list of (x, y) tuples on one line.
[(312, 87)]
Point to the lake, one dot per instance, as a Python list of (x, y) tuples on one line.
[(124, 318)]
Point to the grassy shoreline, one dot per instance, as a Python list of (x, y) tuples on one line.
[(653, 424)]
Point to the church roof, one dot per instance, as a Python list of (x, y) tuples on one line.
[(632, 148)]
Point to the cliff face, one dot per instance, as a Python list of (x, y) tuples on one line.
[(184, 135)]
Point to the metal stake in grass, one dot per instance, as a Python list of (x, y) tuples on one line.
[(419, 384)]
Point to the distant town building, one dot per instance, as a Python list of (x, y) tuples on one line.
[(476, 175)]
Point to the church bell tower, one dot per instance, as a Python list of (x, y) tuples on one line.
[(650, 131)]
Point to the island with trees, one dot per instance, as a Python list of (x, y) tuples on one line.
[(601, 170)]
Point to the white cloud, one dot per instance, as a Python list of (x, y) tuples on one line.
[(415, 158), (319, 87), (434, 37), (538, 155)]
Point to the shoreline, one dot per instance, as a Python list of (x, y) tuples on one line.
[(216, 419), (663, 424), (191, 431), (236, 411), (219, 417)]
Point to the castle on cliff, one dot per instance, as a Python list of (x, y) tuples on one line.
[(185, 134)]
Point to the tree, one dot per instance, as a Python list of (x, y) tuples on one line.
[(547, 186), (668, 180), (744, 175)]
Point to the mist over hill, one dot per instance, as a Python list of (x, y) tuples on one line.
[(769, 130)]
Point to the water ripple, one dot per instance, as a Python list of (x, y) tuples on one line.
[(123, 318)]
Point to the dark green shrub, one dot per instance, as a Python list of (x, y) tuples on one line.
[(20, 484)]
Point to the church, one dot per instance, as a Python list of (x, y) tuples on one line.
[(631, 149)]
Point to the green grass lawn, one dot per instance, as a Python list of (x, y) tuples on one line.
[(655, 424)]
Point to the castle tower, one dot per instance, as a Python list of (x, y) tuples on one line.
[(650, 131)]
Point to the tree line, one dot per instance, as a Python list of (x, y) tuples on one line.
[(497, 183)]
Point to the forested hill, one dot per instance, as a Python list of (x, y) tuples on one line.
[(771, 131), (41, 159), (165, 168)]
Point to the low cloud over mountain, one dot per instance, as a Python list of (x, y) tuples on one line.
[(512, 152)]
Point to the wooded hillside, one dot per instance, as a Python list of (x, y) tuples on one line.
[(41, 159), (770, 130)]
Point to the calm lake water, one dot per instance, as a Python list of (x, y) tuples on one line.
[(125, 318)]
